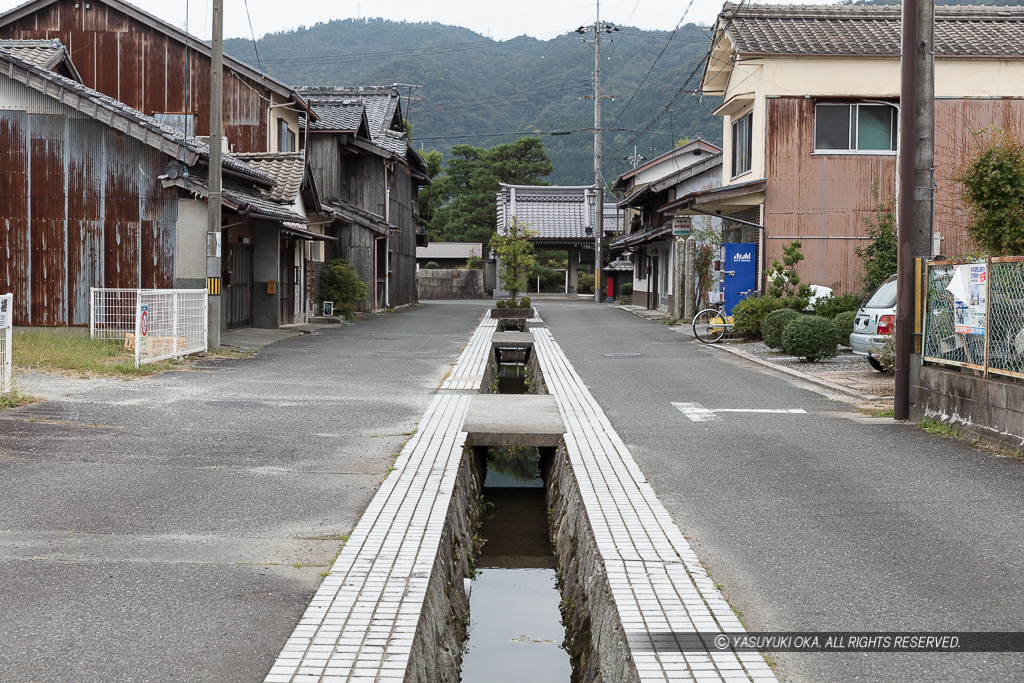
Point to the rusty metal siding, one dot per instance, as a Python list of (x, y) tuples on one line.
[(145, 68), (961, 126), (80, 206), (403, 244), (815, 195), (15, 268)]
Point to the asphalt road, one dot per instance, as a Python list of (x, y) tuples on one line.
[(174, 528), (813, 521)]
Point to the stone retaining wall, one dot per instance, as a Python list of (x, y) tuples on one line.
[(450, 283), (594, 635), (441, 632)]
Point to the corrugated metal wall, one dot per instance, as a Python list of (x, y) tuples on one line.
[(145, 69), (81, 207), (815, 195)]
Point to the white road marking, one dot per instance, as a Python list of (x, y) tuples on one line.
[(698, 413), (781, 411)]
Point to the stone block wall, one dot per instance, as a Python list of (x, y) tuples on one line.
[(990, 408), (453, 283)]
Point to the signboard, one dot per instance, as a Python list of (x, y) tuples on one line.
[(144, 321), (680, 226), (6, 314), (969, 287)]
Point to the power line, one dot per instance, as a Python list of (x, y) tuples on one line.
[(656, 59), (253, 35)]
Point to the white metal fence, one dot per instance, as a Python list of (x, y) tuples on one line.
[(154, 323), (6, 329)]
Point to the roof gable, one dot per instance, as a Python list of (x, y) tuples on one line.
[(173, 32), (554, 212), (47, 54)]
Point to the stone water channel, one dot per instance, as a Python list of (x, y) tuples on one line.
[(451, 572)]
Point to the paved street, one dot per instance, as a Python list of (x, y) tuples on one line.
[(174, 528), (812, 521)]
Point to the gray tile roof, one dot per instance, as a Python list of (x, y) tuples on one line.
[(554, 212), (337, 113), (245, 198), (381, 104), (45, 54), (288, 168), (869, 30), (129, 120)]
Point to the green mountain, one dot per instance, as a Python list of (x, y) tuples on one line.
[(484, 92)]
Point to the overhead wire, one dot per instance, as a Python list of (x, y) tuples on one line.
[(253, 35)]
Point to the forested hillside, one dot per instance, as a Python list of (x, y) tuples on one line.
[(475, 88)]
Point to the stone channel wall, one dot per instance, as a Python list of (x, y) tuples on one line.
[(441, 632), (535, 385), (594, 636), (450, 283)]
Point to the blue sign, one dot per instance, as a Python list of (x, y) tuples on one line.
[(739, 273)]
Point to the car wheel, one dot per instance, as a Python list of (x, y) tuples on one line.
[(873, 362)]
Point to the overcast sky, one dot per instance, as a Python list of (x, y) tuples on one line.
[(542, 19)]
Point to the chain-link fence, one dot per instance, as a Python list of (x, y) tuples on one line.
[(154, 323), (6, 351), (974, 315)]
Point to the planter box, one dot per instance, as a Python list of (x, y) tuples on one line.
[(512, 312)]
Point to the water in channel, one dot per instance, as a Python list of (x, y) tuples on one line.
[(515, 631)]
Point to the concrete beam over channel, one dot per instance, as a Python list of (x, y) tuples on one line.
[(514, 420)]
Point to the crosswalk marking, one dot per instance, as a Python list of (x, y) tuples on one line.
[(698, 413)]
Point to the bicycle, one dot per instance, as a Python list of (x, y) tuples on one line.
[(711, 324)]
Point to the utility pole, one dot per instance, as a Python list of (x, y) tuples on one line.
[(213, 245), (916, 187), (598, 28)]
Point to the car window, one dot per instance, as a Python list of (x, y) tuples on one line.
[(884, 296)]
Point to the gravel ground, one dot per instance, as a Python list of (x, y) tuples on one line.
[(844, 362)]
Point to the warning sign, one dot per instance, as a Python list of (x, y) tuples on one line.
[(5, 312), (144, 322)]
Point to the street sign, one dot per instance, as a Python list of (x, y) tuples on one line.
[(681, 226), (144, 322)]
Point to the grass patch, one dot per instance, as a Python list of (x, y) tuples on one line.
[(877, 412), (939, 428), (16, 398), (70, 351)]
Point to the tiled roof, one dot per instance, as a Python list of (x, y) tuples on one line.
[(46, 54), (868, 30), (381, 104), (131, 121), (450, 250), (337, 113), (288, 168), (243, 198), (554, 212)]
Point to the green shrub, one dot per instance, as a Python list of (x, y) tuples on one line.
[(844, 326), (831, 306), (749, 314), (774, 323), (474, 263), (626, 288), (524, 302), (500, 303), (810, 337), (586, 283), (340, 283), (431, 265)]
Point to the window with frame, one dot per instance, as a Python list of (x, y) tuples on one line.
[(855, 127), (742, 144), (285, 137)]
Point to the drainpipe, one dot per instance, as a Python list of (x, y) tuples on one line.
[(387, 240)]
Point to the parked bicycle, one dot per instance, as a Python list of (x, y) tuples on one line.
[(711, 324)]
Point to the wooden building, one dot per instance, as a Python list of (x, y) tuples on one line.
[(369, 179), (811, 115), (96, 194)]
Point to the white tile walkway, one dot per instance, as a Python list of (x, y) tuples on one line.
[(657, 582), (361, 623)]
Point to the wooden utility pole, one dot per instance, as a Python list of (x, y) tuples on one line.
[(213, 245), (916, 186)]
